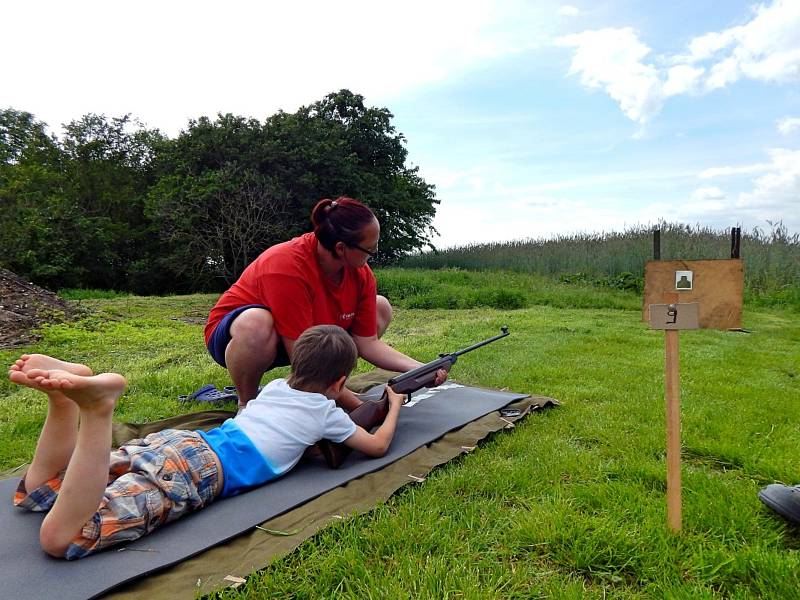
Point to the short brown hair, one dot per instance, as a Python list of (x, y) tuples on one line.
[(321, 355)]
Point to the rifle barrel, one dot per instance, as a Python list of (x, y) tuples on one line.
[(483, 343)]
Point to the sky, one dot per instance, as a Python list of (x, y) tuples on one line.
[(531, 118)]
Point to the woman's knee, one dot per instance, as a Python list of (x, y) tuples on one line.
[(384, 314), (255, 325)]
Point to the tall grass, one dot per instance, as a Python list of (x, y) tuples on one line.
[(772, 259)]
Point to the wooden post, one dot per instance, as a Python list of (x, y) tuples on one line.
[(736, 241), (673, 412), (656, 244), (672, 318)]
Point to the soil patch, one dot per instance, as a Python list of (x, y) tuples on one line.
[(24, 307)]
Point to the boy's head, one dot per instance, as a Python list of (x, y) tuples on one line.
[(321, 356)]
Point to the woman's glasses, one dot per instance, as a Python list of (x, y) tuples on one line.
[(372, 253)]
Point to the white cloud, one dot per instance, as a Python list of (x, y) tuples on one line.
[(779, 189), (168, 61), (774, 195), (568, 11), (721, 74), (516, 215), (742, 170), (479, 205), (682, 79), (766, 48), (789, 125), (708, 200), (611, 59), (705, 46), (708, 193)]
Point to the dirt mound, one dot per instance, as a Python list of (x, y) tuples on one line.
[(25, 306)]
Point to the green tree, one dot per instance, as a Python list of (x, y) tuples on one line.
[(274, 173), (216, 223), (110, 166), (116, 205), (215, 204), (340, 147), (73, 210), (36, 226)]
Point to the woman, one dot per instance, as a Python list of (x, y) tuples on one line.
[(319, 278)]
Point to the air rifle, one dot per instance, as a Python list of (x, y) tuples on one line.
[(371, 413), (424, 376)]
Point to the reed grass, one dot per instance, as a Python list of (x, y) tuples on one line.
[(772, 258)]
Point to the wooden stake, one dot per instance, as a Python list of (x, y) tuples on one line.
[(673, 402), (672, 318)]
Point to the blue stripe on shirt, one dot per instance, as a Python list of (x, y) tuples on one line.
[(243, 466)]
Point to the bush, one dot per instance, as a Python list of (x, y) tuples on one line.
[(625, 281), (507, 299), (452, 288)]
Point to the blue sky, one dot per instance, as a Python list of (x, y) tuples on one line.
[(531, 118)]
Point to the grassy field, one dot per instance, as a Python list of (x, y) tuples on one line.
[(570, 503), (617, 259)]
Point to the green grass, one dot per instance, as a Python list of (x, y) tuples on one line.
[(570, 503), (617, 259), (451, 288), (80, 294)]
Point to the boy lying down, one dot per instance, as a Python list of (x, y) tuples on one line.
[(97, 498)]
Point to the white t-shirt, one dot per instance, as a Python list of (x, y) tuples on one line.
[(282, 422)]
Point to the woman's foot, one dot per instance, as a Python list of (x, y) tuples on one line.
[(97, 393)]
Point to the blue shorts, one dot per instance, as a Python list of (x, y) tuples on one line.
[(221, 337)]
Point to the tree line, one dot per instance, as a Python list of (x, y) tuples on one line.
[(111, 204)]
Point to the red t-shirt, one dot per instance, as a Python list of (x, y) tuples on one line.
[(288, 280)]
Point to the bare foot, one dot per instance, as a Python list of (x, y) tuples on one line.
[(41, 361), (95, 393), (20, 378)]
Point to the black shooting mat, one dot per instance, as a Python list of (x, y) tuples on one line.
[(26, 572)]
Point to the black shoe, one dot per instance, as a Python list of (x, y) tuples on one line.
[(783, 499)]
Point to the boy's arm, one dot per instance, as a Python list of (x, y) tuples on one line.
[(377, 444)]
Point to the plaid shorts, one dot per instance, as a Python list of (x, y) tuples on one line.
[(151, 482)]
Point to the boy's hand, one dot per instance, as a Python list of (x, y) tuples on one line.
[(394, 397), (441, 377)]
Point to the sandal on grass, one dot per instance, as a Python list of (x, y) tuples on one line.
[(209, 394), (783, 499), (231, 389)]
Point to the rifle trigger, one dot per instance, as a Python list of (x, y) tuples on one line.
[(408, 398)]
